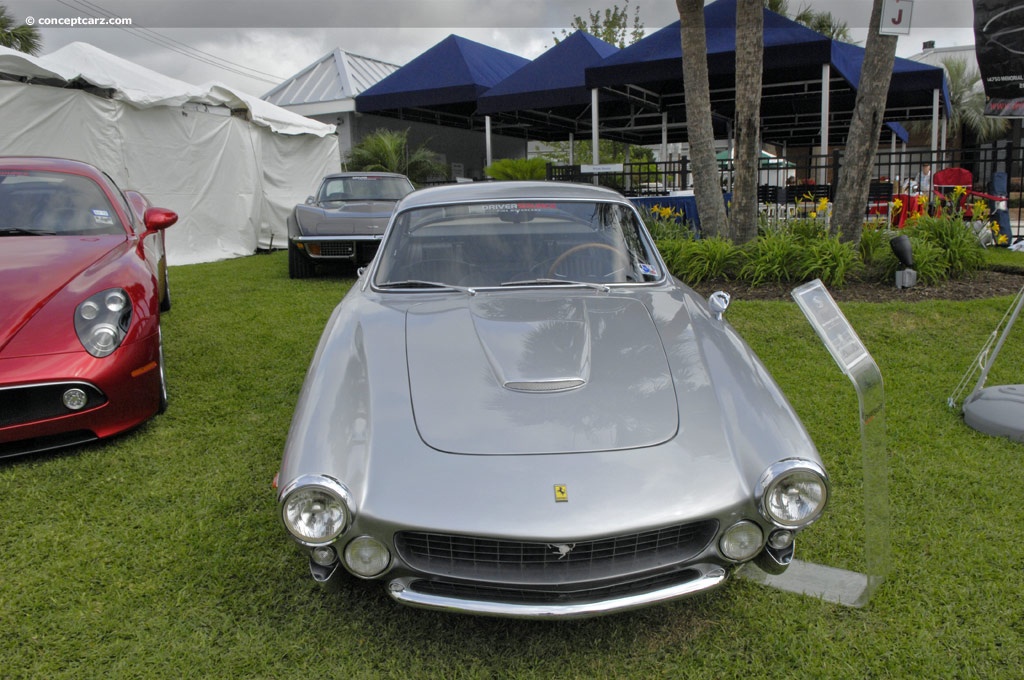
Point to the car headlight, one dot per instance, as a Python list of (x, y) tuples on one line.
[(366, 556), (793, 493), (102, 321), (315, 509), (741, 541)]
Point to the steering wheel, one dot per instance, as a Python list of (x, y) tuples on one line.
[(584, 246)]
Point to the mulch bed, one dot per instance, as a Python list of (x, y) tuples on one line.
[(981, 284)]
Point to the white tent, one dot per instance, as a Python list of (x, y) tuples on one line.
[(231, 165)]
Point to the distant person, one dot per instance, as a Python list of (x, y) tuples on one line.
[(924, 179)]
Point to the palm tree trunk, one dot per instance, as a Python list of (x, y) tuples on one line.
[(700, 132), (749, 67), (862, 143)]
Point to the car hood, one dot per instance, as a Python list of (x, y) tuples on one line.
[(34, 269), (347, 217), (523, 374)]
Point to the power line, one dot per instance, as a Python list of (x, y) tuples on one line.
[(149, 35)]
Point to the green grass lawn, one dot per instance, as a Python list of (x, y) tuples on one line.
[(160, 554)]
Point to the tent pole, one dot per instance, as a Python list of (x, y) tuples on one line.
[(572, 148), (594, 117), (826, 77), (487, 126), (935, 123)]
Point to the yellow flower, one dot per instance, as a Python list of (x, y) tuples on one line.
[(1002, 240), (813, 215), (823, 205), (897, 206), (958, 191)]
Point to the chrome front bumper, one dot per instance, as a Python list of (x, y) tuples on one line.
[(402, 590)]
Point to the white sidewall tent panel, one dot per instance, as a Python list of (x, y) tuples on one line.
[(230, 165)]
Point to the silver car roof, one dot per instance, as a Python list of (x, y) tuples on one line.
[(508, 191)]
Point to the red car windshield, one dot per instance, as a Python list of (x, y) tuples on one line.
[(40, 202)]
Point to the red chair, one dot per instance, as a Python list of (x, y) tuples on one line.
[(945, 182)]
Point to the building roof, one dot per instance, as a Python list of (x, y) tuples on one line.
[(330, 84)]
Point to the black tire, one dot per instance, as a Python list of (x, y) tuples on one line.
[(163, 375), (299, 266), (165, 301)]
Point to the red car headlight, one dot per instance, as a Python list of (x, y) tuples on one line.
[(102, 321)]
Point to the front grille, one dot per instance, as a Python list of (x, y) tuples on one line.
[(503, 561), (489, 593), (337, 249), (32, 403)]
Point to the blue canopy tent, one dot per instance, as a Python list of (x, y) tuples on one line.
[(441, 85), (554, 87), (799, 64)]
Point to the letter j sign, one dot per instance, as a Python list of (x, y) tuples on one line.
[(896, 17)]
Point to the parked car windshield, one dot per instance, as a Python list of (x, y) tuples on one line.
[(364, 188), (41, 202), (517, 242)]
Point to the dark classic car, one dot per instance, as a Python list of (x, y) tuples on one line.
[(344, 221), (83, 278), (516, 411)]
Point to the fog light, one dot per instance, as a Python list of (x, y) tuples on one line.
[(742, 541), (780, 540), (75, 399), (366, 556), (324, 555)]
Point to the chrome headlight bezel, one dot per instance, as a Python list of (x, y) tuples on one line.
[(302, 496), (806, 479), (102, 321)]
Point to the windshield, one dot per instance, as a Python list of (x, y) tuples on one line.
[(364, 188), (40, 202), (519, 242)]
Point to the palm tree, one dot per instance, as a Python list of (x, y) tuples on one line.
[(822, 22), (388, 151), (699, 127), (19, 37), (967, 103), (749, 61)]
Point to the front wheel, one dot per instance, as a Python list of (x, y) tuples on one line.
[(299, 266)]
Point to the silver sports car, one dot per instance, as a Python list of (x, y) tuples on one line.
[(344, 221), (516, 411)]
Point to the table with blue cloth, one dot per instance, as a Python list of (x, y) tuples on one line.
[(685, 204)]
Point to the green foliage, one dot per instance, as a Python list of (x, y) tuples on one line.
[(517, 169), (830, 260), (773, 257), (874, 244), (930, 262), (963, 252), (612, 26), (694, 261), (665, 224), (388, 151), (20, 37)]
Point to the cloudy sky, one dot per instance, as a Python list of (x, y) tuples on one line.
[(254, 44)]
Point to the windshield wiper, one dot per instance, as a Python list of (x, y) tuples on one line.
[(18, 231), (418, 283), (558, 282)]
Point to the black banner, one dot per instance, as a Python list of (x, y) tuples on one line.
[(999, 44)]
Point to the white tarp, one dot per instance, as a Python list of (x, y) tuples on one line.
[(232, 180)]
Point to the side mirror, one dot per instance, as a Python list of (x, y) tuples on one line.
[(156, 219), (310, 200)]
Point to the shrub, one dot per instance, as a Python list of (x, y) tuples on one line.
[(830, 260), (517, 169), (694, 261), (773, 257), (959, 241), (929, 262)]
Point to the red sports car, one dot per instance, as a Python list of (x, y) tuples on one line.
[(82, 284)]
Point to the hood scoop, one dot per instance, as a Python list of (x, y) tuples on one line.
[(539, 347), (544, 385)]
